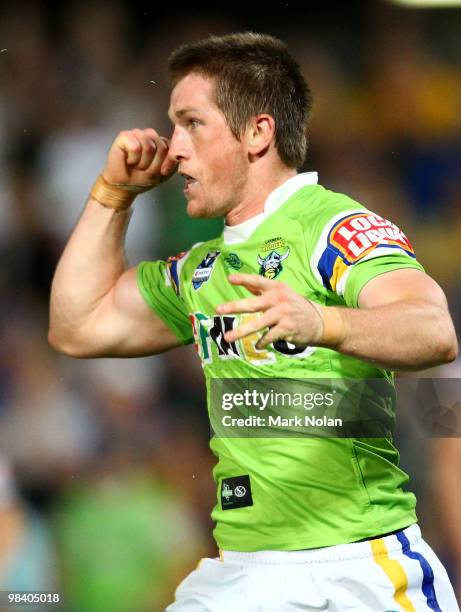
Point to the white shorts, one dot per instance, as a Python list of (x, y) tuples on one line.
[(399, 572)]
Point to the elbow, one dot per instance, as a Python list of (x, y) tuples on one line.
[(54, 341), (447, 342), (64, 345), (450, 349), (444, 340)]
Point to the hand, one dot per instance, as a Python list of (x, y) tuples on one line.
[(287, 314), (139, 158)]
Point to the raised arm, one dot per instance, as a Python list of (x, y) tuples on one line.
[(96, 309)]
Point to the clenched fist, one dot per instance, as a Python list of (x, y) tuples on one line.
[(139, 158)]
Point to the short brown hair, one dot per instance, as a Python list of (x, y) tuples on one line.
[(253, 74)]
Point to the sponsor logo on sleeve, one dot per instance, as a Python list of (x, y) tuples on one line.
[(356, 237)]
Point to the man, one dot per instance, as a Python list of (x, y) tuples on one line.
[(303, 283)]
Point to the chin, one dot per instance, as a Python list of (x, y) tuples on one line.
[(201, 210)]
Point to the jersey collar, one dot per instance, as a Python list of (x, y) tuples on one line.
[(235, 234)]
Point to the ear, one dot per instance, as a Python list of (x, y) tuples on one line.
[(259, 134)]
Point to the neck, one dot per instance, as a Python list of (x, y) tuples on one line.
[(257, 190)]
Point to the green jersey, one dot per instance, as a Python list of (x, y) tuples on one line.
[(305, 492)]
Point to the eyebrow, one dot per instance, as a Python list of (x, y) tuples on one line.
[(182, 111)]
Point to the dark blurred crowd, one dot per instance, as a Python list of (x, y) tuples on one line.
[(105, 475)]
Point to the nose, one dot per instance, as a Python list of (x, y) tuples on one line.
[(178, 147)]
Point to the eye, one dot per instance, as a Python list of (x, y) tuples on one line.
[(193, 123)]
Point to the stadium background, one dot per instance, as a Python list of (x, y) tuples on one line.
[(105, 475)]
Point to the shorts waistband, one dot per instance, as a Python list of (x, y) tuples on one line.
[(340, 552)]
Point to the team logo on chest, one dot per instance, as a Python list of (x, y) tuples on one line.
[(270, 265), (233, 261), (204, 269)]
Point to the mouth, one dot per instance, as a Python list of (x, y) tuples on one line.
[(189, 181)]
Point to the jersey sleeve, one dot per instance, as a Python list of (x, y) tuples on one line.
[(354, 247), (159, 285)]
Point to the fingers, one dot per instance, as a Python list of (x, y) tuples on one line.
[(144, 150), (266, 320), (253, 282), (137, 146), (149, 146), (269, 293), (168, 167), (161, 166), (267, 301), (286, 315), (130, 147), (138, 158), (246, 305), (276, 332)]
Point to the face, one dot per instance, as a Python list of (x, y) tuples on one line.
[(213, 162)]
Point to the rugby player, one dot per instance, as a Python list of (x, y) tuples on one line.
[(303, 283)]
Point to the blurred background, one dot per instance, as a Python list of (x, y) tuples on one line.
[(105, 473)]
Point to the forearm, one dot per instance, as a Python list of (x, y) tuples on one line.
[(410, 335), (90, 265), (96, 308)]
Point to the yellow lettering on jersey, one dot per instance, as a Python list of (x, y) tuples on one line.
[(252, 354)]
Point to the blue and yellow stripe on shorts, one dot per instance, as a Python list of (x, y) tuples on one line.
[(397, 575)]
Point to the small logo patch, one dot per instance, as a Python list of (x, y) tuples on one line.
[(204, 269), (236, 492), (233, 261)]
